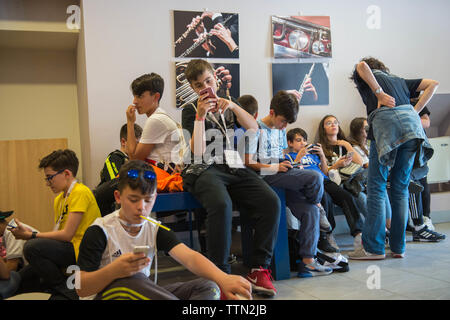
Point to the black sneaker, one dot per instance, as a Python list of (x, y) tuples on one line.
[(427, 235), (335, 261), (415, 187)]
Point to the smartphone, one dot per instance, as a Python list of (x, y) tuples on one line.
[(350, 154), (209, 90), (11, 226), (296, 165), (141, 249), (312, 146)]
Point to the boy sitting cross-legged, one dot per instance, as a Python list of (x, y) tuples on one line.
[(108, 263)]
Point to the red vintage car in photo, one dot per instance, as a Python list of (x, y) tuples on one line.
[(301, 36)]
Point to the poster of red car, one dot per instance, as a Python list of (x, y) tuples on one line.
[(301, 37)]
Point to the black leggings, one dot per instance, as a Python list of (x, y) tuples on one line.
[(345, 200), (47, 260)]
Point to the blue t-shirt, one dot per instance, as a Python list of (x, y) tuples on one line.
[(309, 162), (269, 144)]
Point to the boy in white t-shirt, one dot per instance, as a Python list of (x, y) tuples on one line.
[(109, 268), (162, 137)]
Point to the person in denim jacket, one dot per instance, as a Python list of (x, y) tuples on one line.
[(398, 142)]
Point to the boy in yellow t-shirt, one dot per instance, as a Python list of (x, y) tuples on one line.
[(75, 208)]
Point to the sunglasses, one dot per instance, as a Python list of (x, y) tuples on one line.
[(49, 178), (134, 174)]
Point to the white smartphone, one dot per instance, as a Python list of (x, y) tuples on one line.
[(350, 154), (141, 249)]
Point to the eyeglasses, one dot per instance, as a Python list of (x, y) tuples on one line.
[(330, 123), (134, 174), (49, 178)]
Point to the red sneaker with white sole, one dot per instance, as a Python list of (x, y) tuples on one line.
[(261, 280)]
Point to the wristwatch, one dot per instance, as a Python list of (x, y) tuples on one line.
[(33, 234), (378, 90)]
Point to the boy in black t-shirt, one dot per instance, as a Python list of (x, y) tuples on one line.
[(218, 181), (118, 157)]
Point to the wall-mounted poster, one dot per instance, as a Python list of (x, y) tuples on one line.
[(206, 34), (227, 78), (301, 36), (309, 81)]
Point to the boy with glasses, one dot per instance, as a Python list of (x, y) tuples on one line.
[(75, 209)]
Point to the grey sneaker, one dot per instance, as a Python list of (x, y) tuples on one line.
[(313, 269), (362, 254), (332, 241), (325, 225)]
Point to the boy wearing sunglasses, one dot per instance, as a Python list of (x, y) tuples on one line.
[(75, 209), (108, 258)]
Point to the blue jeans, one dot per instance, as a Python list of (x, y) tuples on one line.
[(304, 190), (9, 287), (361, 204), (373, 236)]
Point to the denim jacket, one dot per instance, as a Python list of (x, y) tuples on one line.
[(394, 126)]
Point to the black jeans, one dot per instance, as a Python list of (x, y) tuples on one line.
[(47, 259), (345, 200), (217, 189)]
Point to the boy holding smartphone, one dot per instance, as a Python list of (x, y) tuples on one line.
[(107, 253), (218, 178)]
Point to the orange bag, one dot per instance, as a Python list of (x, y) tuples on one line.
[(168, 182)]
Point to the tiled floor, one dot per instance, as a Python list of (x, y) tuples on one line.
[(424, 273)]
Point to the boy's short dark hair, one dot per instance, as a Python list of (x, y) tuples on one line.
[(290, 135), (148, 82), (124, 131), (248, 103), (195, 68), (286, 105), (61, 160), (146, 186)]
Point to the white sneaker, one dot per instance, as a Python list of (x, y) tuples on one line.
[(332, 241), (357, 242), (427, 221), (362, 254)]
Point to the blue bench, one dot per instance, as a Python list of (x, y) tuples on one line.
[(185, 201), (178, 201)]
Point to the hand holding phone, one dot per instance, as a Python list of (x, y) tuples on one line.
[(141, 249), (349, 155), (311, 147), (206, 94)]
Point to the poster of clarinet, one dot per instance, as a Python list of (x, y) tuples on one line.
[(308, 81), (301, 37), (227, 80), (206, 34)]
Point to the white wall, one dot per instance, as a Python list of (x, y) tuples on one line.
[(124, 39), (38, 96)]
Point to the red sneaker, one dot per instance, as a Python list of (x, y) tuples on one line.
[(261, 280)]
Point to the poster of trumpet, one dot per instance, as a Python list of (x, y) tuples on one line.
[(301, 36), (206, 34), (227, 82), (309, 82)]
